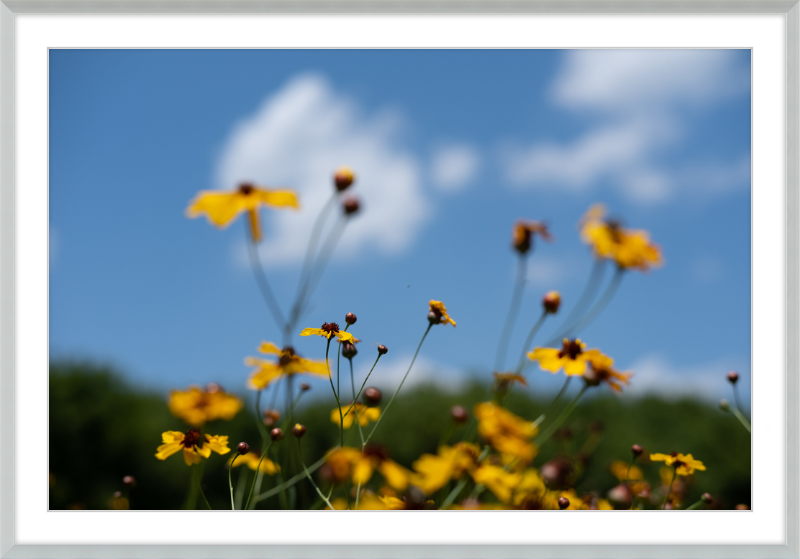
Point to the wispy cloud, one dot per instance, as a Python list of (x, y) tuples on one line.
[(641, 102), (454, 167), (297, 138)]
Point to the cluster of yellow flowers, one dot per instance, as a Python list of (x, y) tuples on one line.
[(493, 466)]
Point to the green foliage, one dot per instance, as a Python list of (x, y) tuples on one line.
[(102, 429)]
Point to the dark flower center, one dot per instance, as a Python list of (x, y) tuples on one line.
[(677, 463), (570, 348), (330, 327), (246, 189), (615, 229), (192, 438), (378, 451), (287, 355)]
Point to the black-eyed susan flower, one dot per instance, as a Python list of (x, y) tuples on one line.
[(627, 247), (195, 445), (505, 432), (684, 464), (438, 314), (572, 357), (328, 331), (222, 208), (197, 406), (251, 459), (434, 471), (599, 372), (364, 413), (289, 363), (523, 231), (347, 462)]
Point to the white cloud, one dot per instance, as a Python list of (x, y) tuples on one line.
[(653, 374), (297, 138), (642, 102), (454, 166), (389, 373)]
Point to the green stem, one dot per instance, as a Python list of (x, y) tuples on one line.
[(666, 497), (560, 420), (240, 486), (386, 409), (260, 418), (325, 254), (258, 469), (455, 492), (308, 475), (230, 483), (263, 284), (561, 392), (358, 422), (586, 297), (742, 419), (335, 395), (528, 342), (199, 475), (628, 473), (289, 482), (695, 506), (513, 310), (598, 307), (363, 385)]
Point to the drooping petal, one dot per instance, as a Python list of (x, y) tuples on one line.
[(191, 457), (269, 347), (277, 198), (574, 366), (167, 450), (314, 332), (217, 443), (345, 336), (220, 207), (266, 372)]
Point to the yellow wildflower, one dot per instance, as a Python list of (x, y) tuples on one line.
[(289, 363), (684, 464), (365, 415), (251, 459), (440, 313), (196, 406), (572, 357), (328, 331), (602, 372), (522, 234), (620, 471), (498, 480), (433, 471), (359, 465), (223, 207), (628, 248), (194, 444), (506, 432)]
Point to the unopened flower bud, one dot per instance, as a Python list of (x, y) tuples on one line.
[(551, 301), (563, 503), (733, 377), (271, 417), (372, 396), (636, 450), (434, 317), (243, 448), (742, 507), (305, 387), (382, 349), (349, 350), (350, 206), (129, 482), (276, 434), (298, 430), (558, 473), (620, 497), (459, 414), (350, 318), (724, 405), (117, 494), (707, 498), (343, 178)]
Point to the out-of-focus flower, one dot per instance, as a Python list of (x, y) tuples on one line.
[(503, 380), (523, 231), (433, 471), (343, 178), (551, 301), (197, 406), (328, 331), (118, 502), (627, 247), (599, 372), (620, 471), (251, 459), (223, 207), (684, 464), (359, 465), (572, 357), (439, 312), (289, 363), (506, 432), (363, 413), (195, 445), (498, 480)]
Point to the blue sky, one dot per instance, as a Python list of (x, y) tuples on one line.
[(450, 147)]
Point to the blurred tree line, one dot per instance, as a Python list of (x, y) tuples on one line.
[(102, 429)]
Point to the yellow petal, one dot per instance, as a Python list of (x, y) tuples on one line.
[(395, 474), (255, 228), (345, 336), (269, 347), (217, 443), (167, 450), (362, 472), (190, 457), (278, 198), (574, 367), (314, 332), (220, 207)]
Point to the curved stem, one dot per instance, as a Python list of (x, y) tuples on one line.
[(258, 469), (599, 305), (199, 476), (263, 285), (560, 420), (589, 292), (529, 340), (358, 421), (362, 386), (308, 475), (513, 310), (230, 483), (386, 409), (335, 395), (289, 482), (561, 392)]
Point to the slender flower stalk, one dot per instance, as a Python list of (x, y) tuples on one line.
[(258, 470), (308, 475), (528, 341), (358, 422), (230, 483), (742, 419), (561, 392), (513, 310), (263, 284), (335, 395), (198, 476), (560, 419), (386, 409), (598, 307), (666, 497), (695, 505), (363, 384), (587, 296)]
